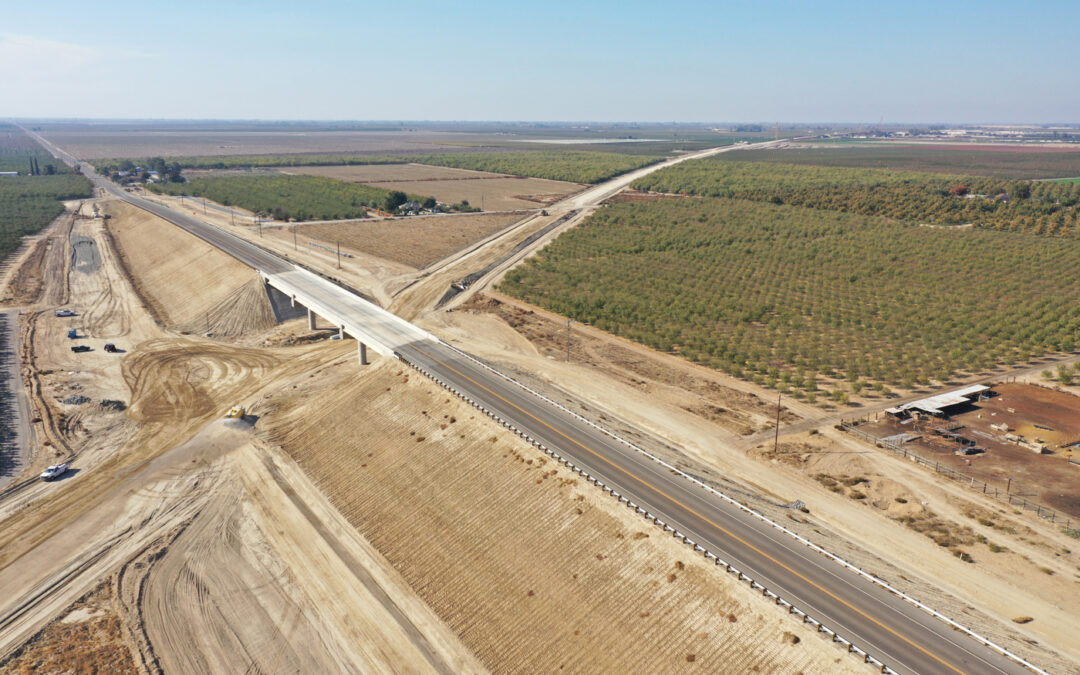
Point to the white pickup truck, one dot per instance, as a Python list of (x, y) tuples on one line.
[(54, 471)]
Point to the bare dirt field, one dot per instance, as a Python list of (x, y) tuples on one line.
[(94, 144), (533, 568), (204, 287), (1030, 413), (490, 191), (417, 241)]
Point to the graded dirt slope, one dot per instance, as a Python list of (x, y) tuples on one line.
[(186, 283), (416, 242), (535, 569)]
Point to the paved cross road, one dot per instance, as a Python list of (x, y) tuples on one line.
[(891, 629)]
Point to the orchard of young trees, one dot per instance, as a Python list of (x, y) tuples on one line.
[(784, 295), (31, 200), (1051, 208)]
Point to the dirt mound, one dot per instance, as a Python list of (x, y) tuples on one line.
[(184, 282)]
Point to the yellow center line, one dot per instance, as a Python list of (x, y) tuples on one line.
[(699, 515)]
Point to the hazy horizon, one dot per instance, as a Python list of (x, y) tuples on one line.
[(977, 63)]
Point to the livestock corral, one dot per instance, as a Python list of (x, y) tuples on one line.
[(1018, 441)]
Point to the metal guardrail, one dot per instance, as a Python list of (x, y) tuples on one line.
[(852, 649)]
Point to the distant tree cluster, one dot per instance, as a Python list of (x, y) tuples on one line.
[(909, 197), (788, 296)]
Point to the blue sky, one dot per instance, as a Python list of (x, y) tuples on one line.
[(598, 61)]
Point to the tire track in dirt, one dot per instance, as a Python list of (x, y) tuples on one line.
[(169, 376)]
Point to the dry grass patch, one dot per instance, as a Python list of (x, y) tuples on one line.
[(87, 638), (417, 242)]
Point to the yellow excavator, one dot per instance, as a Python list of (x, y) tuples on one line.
[(235, 413)]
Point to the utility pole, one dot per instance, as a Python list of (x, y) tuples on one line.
[(339, 255), (294, 237), (776, 439), (204, 206), (568, 322)]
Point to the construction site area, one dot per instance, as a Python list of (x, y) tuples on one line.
[(239, 494), (179, 541)]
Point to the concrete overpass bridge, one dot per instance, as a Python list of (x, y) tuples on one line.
[(371, 326)]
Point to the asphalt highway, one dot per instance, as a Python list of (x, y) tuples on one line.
[(904, 637)]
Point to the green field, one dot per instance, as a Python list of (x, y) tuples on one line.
[(907, 196), (29, 203), (1009, 163), (296, 197), (783, 294), (17, 149), (575, 166), (569, 165)]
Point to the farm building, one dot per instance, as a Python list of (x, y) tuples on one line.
[(940, 404), (9, 173)]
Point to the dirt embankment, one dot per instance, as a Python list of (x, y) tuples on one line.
[(738, 411), (535, 569), (186, 284)]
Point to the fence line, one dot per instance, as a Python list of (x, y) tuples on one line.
[(1044, 512)]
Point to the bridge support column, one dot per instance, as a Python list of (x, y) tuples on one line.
[(310, 320), (341, 332), (362, 350), (292, 301)]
